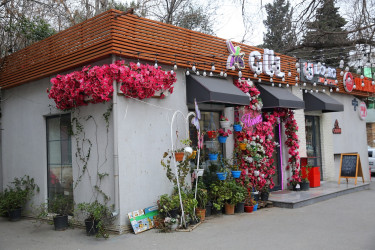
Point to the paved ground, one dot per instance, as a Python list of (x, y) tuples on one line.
[(345, 222)]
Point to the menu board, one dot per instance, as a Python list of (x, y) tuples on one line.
[(350, 167)]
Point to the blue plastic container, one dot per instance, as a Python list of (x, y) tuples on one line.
[(255, 207), (221, 176), (223, 139), (212, 157), (237, 127), (236, 174)]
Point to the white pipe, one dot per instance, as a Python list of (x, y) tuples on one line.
[(115, 148)]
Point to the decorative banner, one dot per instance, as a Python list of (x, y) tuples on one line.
[(362, 110), (312, 72), (236, 58), (348, 82), (336, 129)]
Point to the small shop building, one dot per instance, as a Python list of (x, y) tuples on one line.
[(112, 142)]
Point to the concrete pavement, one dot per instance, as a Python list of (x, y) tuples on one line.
[(345, 222)]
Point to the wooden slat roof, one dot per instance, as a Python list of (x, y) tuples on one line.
[(130, 36)]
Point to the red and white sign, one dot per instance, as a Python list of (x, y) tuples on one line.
[(362, 110), (348, 82)]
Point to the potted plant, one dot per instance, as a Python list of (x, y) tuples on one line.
[(169, 205), (223, 170), (233, 195), (98, 217), (224, 122), (223, 135), (202, 199), (237, 126), (305, 183), (236, 173), (265, 193), (15, 196), (212, 156), (240, 206), (217, 193), (249, 203), (211, 134), (61, 206)]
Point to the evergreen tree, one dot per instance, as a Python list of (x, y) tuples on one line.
[(327, 21), (280, 33)]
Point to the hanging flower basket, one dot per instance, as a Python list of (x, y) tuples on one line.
[(221, 176), (211, 134), (199, 172), (179, 156), (243, 146), (236, 174), (223, 139), (212, 157), (237, 127), (225, 124)]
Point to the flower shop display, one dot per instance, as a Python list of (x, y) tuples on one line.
[(95, 84), (224, 122)]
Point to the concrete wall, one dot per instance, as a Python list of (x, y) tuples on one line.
[(24, 112), (353, 137), (144, 134)]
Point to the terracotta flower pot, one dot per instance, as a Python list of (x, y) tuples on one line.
[(179, 156), (229, 208), (243, 146), (201, 213)]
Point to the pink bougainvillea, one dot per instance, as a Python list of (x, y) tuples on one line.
[(256, 161), (95, 84)]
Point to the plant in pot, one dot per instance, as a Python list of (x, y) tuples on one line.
[(189, 203), (16, 195), (237, 126), (235, 170), (213, 155), (169, 206), (240, 206), (249, 203), (224, 122), (61, 206), (217, 194), (183, 169), (223, 135), (305, 183), (202, 199), (264, 194), (233, 195), (98, 218), (211, 134), (222, 172)]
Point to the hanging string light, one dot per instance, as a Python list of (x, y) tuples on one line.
[(240, 73), (211, 74), (156, 64), (204, 73), (187, 72), (337, 89), (296, 84), (287, 85), (194, 68), (213, 67)]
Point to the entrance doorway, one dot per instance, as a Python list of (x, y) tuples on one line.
[(276, 160), (313, 145)]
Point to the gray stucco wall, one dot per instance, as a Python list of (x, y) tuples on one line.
[(353, 137)]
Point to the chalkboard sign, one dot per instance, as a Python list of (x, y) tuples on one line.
[(350, 167)]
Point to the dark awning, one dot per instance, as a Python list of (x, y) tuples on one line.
[(214, 90), (323, 102), (275, 97)]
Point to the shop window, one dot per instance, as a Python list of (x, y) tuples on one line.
[(59, 153), (209, 122), (313, 145)]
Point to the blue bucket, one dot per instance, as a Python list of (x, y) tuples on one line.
[(223, 139), (236, 174), (255, 207), (237, 127), (221, 176), (212, 157)]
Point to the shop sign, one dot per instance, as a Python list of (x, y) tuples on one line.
[(250, 118), (312, 72), (348, 82), (336, 129), (270, 65), (362, 110)]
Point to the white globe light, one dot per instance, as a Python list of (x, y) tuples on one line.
[(296, 84), (233, 68), (283, 79), (289, 74), (156, 65), (225, 74), (358, 71), (314, 84), (287, 85), (260, 79), (138, 64), (373, 83), (298, 70), (362, 77), (175, 67), (324, 90), (296, 78), (213, 68), (279, 85), (297, 65), (211, 74), (337, 89), (187, 73), (304, 84), (273, 85), (363, 84), (221, 73), (341, 73), (271, 79), (197, 72), (239, 73), (316, 91), (354, 86), (194, 68), (336, 81), (172, 71), (311, 91), (255, 75), (347, 69), (330, 90)]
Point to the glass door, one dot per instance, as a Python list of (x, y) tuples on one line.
[(276, 160), (313, 146)]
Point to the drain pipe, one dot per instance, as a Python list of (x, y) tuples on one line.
[(115, 149)]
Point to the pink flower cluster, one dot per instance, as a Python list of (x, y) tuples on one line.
[(142, 82), (224, 133), (95, 84)]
